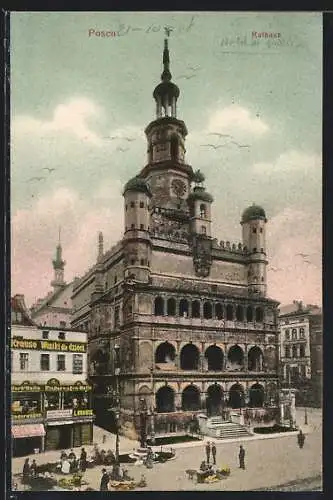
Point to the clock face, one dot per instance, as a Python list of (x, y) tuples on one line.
[(178, 187)]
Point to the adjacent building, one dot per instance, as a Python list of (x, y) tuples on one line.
[(51, 398), (55, 309), (188, 315), (301, 351)]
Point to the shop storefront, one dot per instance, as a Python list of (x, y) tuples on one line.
[(27, 439)]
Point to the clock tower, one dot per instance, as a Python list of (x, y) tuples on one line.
[(168, 175)]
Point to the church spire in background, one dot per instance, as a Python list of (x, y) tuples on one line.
[(58, 266)]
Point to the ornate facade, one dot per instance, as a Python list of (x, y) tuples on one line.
[(190, 315)]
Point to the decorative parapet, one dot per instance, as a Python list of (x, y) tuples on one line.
[(227, 246)]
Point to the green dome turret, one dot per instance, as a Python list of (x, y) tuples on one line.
[(199, 193), (139, 185), (253, 212)]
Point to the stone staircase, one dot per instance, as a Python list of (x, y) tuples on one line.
[(226, 430)]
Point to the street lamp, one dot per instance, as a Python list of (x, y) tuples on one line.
[(117, 399), (305, 416), (143, 423)]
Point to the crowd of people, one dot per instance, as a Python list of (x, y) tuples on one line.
[(29, 470), (71, 463)]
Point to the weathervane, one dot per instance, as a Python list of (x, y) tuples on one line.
[(168, 30)]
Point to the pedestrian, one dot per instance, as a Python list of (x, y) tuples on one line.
[(33, 469), (241, 457), (300, 439), (83, 460), (26, 471), (208, 451), (104, 481), (214, 453)]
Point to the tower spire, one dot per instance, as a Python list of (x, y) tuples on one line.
[(58, 265), (166, 93)]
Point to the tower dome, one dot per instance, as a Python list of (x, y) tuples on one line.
[(137, 184), (166, 93), (253, 212), (199, 193)]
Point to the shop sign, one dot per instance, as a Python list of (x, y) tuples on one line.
[(83, 413), (26, 387), (48, 345), (53, 385), (26, 416), (59, 413)]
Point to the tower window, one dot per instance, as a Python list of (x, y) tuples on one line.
[(132, 204), (126, 207), (142, 204), (115, 279), (254, 230), (254, 250), (142, 262), (142, 226), (132, 226), (132, 262), (261, 229), (203, 230), (261, 250), (203, 213)]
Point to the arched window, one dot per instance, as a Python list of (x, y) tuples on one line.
[(214, 400), (257, 396), (165, 400), (230, 312), (235, 358), (203, 230), (294, 334), (189, 357), (196, 309), (236, 396), (203, 213), (165, 353), (255, 359), (249, 314), (174, 147), (171, 307), (159, 306), (207, 310), (287, 334), (191, 398), (259, 314), (214, 356), (183, 308), (239, 313), (302, 333), (218, 311)]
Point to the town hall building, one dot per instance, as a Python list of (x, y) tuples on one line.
[(179, 319)]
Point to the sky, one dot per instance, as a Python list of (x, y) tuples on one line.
[(72, 89)]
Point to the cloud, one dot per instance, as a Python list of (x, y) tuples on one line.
[(233, 119), (291, 161), (70, 117), (35, 232), (290, 275)]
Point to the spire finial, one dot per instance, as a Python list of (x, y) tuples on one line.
[(100, 246), (166, 75), (59, 235)]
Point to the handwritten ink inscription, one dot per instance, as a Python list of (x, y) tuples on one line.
[(262, 40), (124, 29)]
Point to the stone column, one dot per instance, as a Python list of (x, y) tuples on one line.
[(178, 401)]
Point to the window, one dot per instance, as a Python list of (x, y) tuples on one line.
[(294, 333), (294, 351), (62, 324), (61, 366), (132, 262), (261, 229), (142, 227), (44, 362), (45, 335), (142, 262), (254, 250), (203, 230), (254, 230), (287, 334), (61, 336), (132, 226), (77, 363), (116, 316), (261, 250), (302, 351), (287, 352), (302, 333), (126, 207), (132, 204), (24, 360), (203, 211), (142, 204)]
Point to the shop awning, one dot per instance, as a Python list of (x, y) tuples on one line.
[(28, 430), (60, 422)]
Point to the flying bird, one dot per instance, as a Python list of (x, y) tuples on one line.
[(220, 135), (212, 146), (129, 139), (36, 179), (240, 145), (304, 255), (193, 69), (112, 138), (50, 170), (187, 77), (275, 269), (122, 150)]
